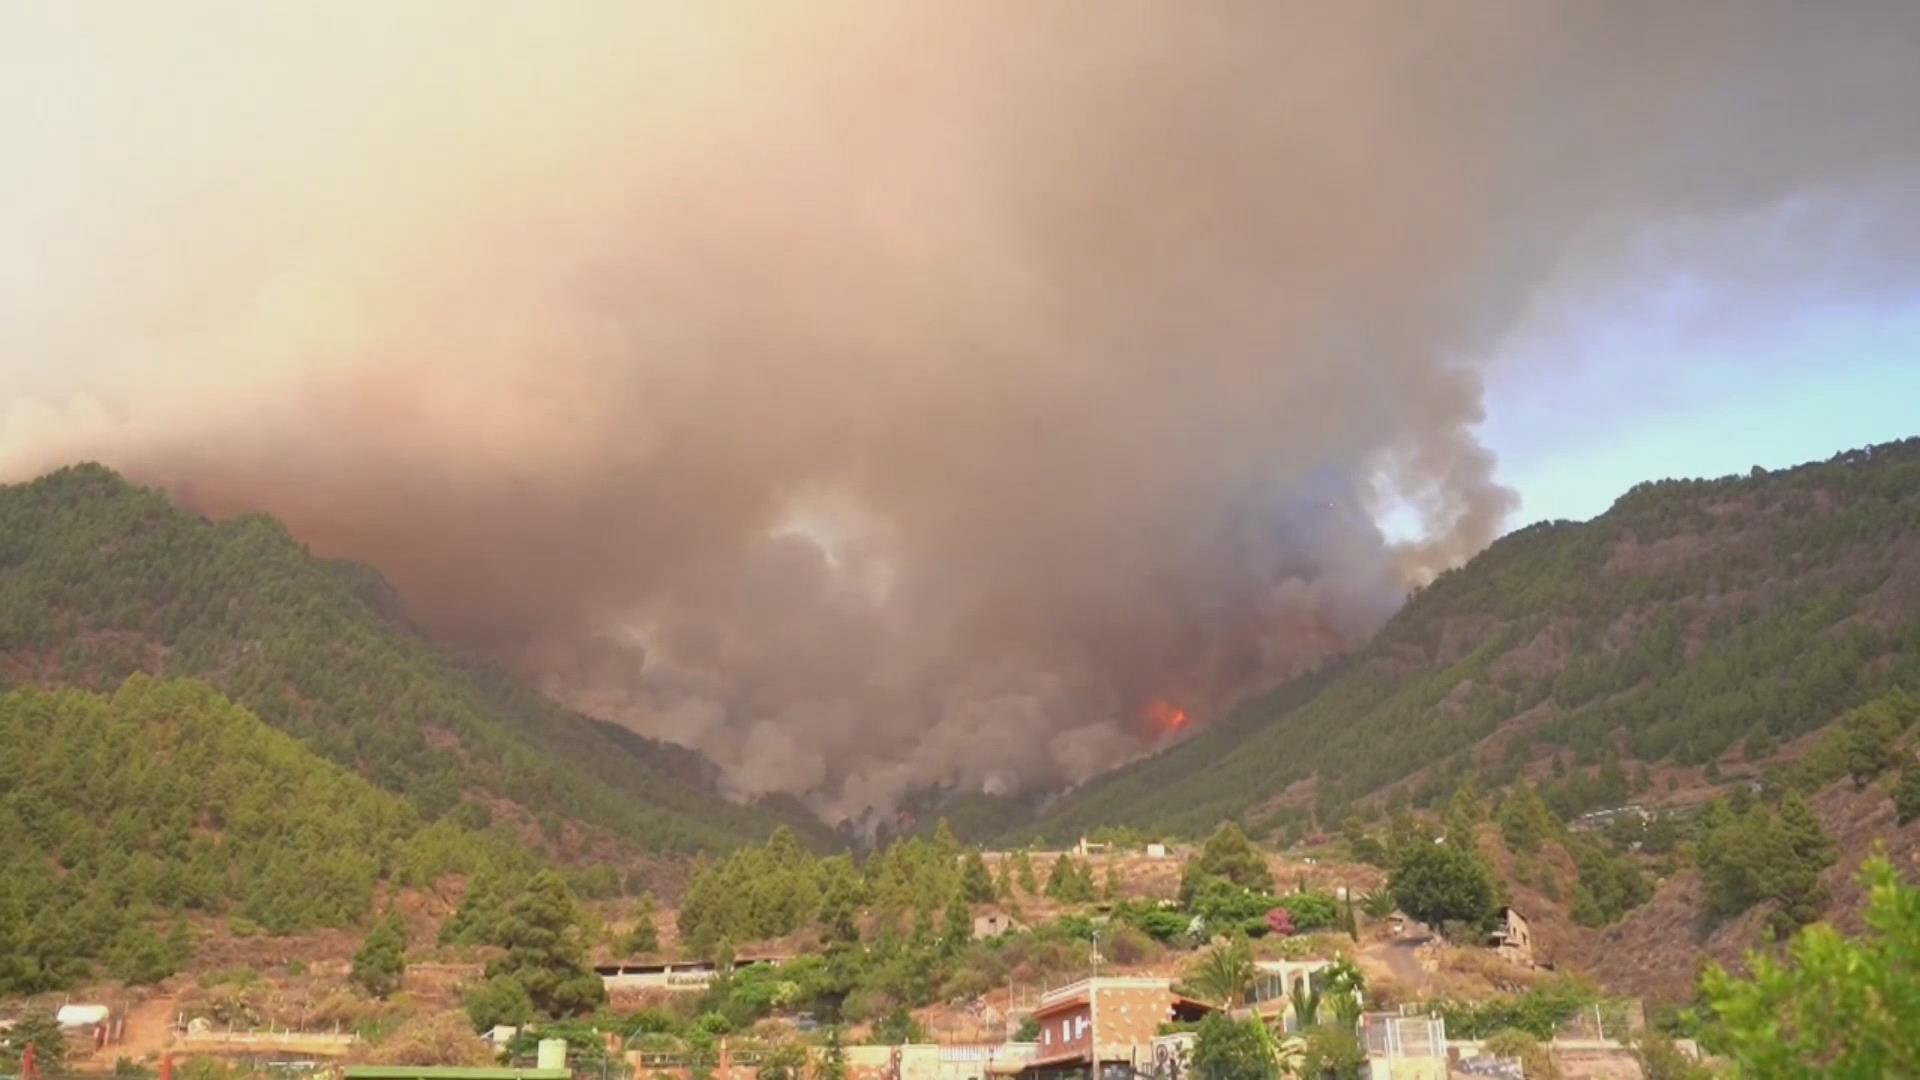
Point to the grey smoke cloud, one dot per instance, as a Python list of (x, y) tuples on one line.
[(892, 394)]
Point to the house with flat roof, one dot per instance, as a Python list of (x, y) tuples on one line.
[(1111, 1020), (1274, 983), (1512, 938), (992, 924), (634, 975)]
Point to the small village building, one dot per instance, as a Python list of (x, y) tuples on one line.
[(1274, 984), (992, 924), (79, 1017), (1405, 1047), (928, 1061), (679, 975), (1512, 938), (1156, 850), (1113, 1019)]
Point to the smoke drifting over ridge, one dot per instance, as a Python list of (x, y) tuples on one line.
[(897, 394)]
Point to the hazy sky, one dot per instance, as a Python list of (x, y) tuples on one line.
[(1647, 401)]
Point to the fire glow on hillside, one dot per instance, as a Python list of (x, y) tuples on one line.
[(1167, 718)]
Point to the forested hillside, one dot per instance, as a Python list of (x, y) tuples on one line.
[(100, 579), (1695, 621), (120, 815)]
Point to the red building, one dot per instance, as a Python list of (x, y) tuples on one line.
[(1114, 1020)]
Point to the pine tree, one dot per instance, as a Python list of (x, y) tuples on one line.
[(945, 844), (1525, 820), (540, 932), (1065, 882), (1023, 872), (975, 880), (643, 937), (923, 920), (702, 913), (1003, 882), (140, 957), (840, 894), (40, 1030), (959, 927), (1463, 814), (381, 963), (1229, 856), (1906, 794)]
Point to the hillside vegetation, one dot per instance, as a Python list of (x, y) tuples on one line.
[(100, 579), (1695, 621), (123, 814)]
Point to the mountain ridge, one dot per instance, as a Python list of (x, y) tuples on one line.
[(101, 578)]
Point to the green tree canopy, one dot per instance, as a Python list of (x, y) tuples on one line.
[(1441, 883), (1761, 854), (1229, 856), (1833, 1007), (1069, 881), (545, 956), (642, 937), (1222, 974), (975, 879), (381, 963), (1229, 1049)]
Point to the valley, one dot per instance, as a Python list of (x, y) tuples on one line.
[(1646, 744)]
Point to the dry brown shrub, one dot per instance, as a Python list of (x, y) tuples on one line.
[(434, 1039)]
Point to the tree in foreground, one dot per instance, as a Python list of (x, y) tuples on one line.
[(381, 963), (41, 1031), (499, 1000), (1441, 883), (1229, 1049), (1834, 1007), (541, 934), (1330, 1050)]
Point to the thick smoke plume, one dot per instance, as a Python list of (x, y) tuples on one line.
[(876, 395)]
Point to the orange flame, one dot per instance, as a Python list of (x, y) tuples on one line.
[(1167, 716)]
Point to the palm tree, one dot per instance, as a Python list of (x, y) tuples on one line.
[(1306, 1003), (1223, 973)]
